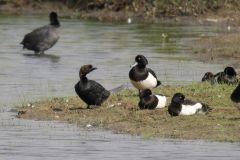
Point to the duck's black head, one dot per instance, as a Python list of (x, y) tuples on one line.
[(207, 76), (140, 60), (53, 19), (178, 98), (145, 93), (84, 70), (230, 71)]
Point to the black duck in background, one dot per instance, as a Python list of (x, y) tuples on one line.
[(44, 37), (207, 77), (142, 77), (91, 92), (181, 106), (228, 76), (151, 101)]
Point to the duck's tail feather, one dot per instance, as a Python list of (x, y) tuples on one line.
[(206, 108), (159, 83), (118, 89)]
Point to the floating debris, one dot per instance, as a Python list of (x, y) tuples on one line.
[(88, 125)]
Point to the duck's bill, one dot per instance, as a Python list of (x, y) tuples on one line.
[(134, 64)]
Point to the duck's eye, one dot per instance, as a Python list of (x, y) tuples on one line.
[(180, 97), (139, 58)]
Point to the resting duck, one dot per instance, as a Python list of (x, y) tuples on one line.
[(180, 106), (228, 76), (207, 77), (149, 101)]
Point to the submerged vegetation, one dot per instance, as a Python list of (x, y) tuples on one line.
[(121, 114)]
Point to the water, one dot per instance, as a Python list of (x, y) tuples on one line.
[(111, 47), (28, 139)]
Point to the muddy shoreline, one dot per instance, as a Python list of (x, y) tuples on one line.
[(120, 114), (222, 17)]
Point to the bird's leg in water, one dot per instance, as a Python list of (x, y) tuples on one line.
[(88, 107)]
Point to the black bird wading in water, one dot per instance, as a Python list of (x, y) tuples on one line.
[(91, 92), (44, 37)]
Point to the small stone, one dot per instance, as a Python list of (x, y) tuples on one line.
[(55, 116)]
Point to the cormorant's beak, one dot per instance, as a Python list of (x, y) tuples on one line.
[(92, 69), (134, 64)]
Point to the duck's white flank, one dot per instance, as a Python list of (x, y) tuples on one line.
[(237, 105), (162, 100), (149, 83), (191, 109)]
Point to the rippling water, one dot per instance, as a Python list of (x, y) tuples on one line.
[(27, 139), (111, 47)]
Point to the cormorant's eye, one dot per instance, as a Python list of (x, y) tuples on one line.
[(180, 97)]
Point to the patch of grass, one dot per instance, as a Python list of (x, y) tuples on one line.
[(121, 114), (221, 48)]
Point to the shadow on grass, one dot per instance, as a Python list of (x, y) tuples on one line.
[(81, 108), (234, 119)]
